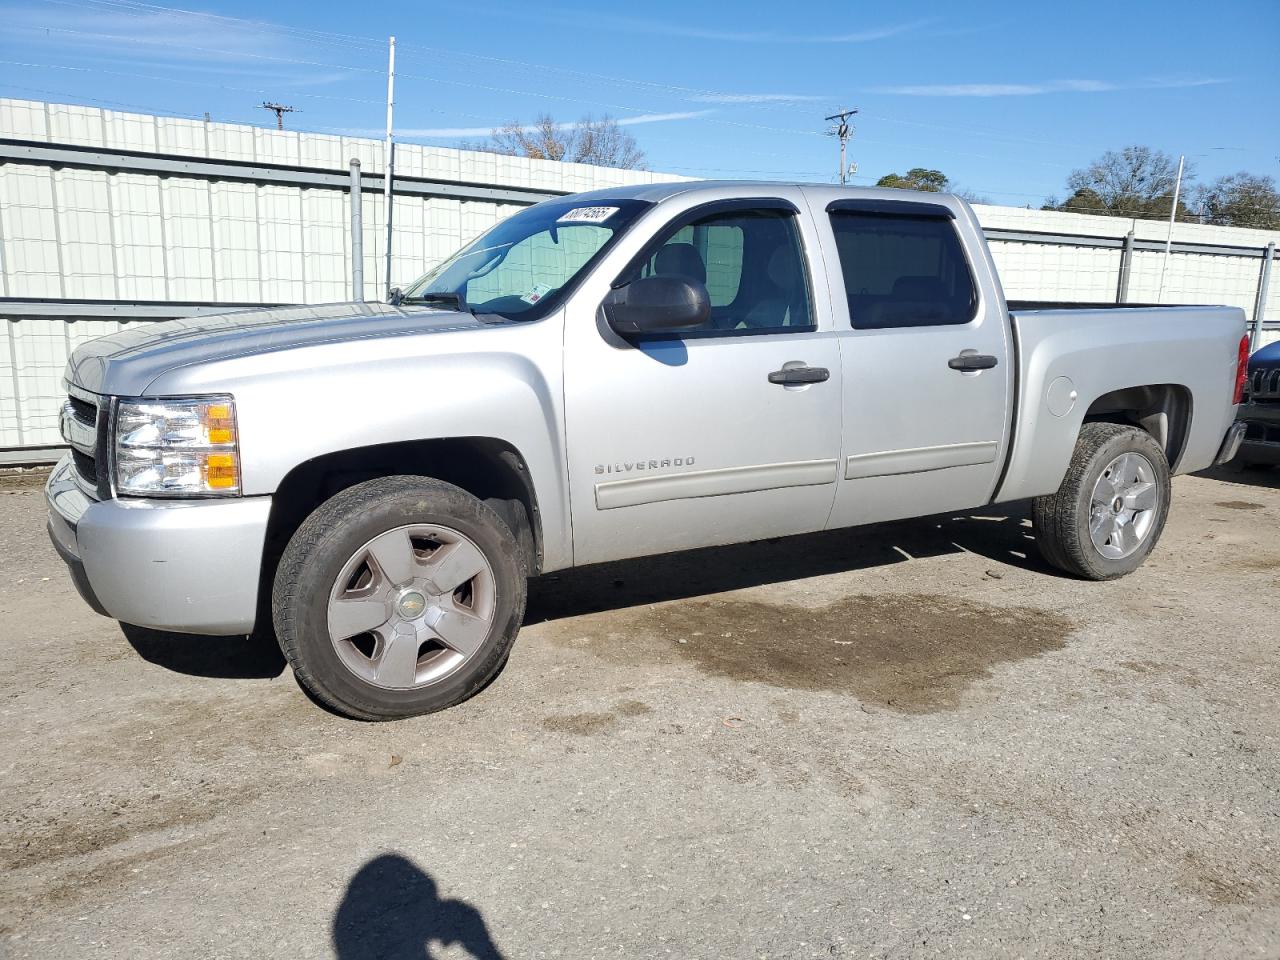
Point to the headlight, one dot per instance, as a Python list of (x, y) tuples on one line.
[(177, 448)]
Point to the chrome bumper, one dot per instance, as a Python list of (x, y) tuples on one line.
[(1231, 442), (190, 566)]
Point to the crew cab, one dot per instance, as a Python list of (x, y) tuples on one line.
[(626, 372)]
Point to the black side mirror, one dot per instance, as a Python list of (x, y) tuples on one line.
[(395, 296), (657, 305)]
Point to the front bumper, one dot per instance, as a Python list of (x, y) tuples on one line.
[(190, 566), (1261, 442)]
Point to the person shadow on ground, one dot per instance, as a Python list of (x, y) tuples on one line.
[(393, 911)]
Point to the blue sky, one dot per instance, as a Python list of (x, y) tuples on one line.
[(1005, 98)]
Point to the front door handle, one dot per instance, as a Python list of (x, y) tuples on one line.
[(972, 361), (796, 376)]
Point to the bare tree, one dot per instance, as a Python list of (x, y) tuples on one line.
[(601, 142), (1135, 181), (1240, 200)]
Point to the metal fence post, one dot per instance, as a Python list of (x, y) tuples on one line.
[(1260, 305), (1126, 265), (357, 236)]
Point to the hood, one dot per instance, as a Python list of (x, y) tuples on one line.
[(1268, 358), (127, 361)]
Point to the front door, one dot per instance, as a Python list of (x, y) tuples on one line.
[(706, 437)]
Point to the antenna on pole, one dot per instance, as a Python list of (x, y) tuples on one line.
[(388, 158), (280, 110), (844, 130), (1173, 216)]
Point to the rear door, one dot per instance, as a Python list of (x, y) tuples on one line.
[(926, 359)]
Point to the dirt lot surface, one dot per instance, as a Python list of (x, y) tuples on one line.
[(906, 741)]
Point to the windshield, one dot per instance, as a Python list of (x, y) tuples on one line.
[(526, 264)]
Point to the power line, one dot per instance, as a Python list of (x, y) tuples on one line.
[(138, 8), (689, 94)]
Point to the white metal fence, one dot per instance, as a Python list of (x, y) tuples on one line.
[(108, 218)]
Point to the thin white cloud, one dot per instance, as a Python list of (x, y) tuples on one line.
[(665, 27), (754, 97), (1036, 89), (865, 36), (445, 133), (169, 34)]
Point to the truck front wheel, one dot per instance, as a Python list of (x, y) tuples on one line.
[(398, 596), (1111, 508)]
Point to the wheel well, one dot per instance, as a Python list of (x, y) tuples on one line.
[(1163, 410), (490, 470)]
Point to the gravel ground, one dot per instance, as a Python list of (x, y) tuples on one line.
[(908, 741)]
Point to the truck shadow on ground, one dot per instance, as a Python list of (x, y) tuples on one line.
[(392, 910), (253, 657), (1268, 477), (1001, 534)]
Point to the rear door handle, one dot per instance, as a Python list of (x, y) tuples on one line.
[(795, 376), (972, 361)]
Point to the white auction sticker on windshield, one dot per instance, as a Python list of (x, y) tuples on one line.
[(587, 215)]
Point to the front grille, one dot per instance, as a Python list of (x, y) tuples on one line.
[(86, 466), (1264, 386), (84, 411), (81, 428)]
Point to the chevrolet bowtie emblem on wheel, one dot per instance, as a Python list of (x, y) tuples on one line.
[(411, 604)]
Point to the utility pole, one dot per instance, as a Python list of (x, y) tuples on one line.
[(844, 131), (279, 109)]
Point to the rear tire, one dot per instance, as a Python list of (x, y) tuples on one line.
[(1111, 508), (366, 607)]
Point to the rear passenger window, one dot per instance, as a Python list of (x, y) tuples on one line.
[(752, 265), (902, 271)]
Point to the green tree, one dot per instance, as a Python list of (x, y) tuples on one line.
[(917, 178), (1240, 200), (931, 181)]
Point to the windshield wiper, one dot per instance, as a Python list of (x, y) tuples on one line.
[(441, 296)]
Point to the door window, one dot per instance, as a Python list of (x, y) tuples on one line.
[(751, 263), (902, 271)]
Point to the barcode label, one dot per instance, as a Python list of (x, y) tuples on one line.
[(587, 215)]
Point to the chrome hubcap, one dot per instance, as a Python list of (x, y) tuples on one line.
[(411, 606), (1123, 509)]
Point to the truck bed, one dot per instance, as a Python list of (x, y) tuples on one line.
[(1069, 351), (1025, 305)]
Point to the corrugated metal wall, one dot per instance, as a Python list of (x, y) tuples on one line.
[(1065, 272), (120, 235)]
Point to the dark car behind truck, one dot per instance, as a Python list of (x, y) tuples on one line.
[(1260, 411)]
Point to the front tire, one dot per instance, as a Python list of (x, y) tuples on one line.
[(398, 596), (1111, 508)]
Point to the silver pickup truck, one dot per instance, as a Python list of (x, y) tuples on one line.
[(620, 373)]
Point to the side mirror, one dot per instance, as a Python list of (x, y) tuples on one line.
[(395, 296), (657, 305)]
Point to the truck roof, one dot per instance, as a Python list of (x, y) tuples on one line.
[(655, 192)]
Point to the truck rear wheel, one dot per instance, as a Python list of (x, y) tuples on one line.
[(398, 596), (1111, 508)]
